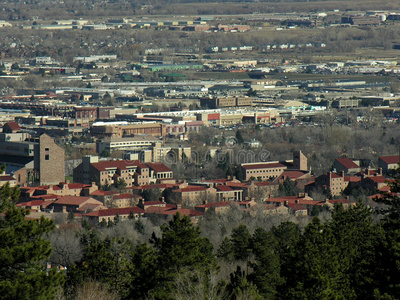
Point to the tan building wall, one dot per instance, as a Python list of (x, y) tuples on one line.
[(51, 161)]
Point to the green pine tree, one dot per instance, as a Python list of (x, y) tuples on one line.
[(23, 251)]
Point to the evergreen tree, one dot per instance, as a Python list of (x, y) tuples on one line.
[(240, 288), (389, 270), (179, 247), (266, 268), (104, 260), (23, 251), (239, 137)]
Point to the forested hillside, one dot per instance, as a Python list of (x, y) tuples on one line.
[(347, 254)]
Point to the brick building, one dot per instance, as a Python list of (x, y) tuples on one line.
[(219, 102), (133, 172), (115, 130), (33, 160), (272, 170)]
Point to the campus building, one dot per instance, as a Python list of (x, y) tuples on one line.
[(33, 160)]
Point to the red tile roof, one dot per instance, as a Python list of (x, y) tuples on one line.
[(150, 203), (292, 174), (13, 126), (213, 116), (183, 211), (159, 209), (115, 211), (390, 159), (343, 201), (334, 175), (215, 204), (72, 200), (263, 166), (223, 188), (378, 179), (126, 196), (236, 184), (103, 193), (296, 206), (6, 178), (118, 164), (352, 178), (265, 183), (347, 163), (90, 206), (45, 197), (159, 167), (31, 203), (190, 188), (76, 185)]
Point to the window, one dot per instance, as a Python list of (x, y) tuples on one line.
[(46, 153)]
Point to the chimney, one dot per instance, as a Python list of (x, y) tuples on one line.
[(178, 206)]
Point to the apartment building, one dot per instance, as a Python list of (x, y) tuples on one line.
[(132, 172)]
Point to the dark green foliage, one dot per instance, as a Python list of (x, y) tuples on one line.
[(237, 247), (23, 251), (106, 261), (240, 287), (287, 188), (239, 137), (180, 247), (266, 266), (121, 184)]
